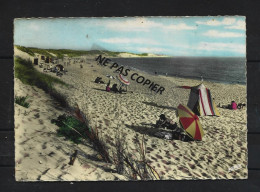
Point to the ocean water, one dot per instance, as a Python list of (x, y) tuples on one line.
[(216, 69)]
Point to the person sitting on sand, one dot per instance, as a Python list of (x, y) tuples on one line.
[(99, 80), (165, 122), (108, 86), (115, 89), (177, 133)]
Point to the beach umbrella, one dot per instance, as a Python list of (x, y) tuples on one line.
[(123, 80), (190, 122)]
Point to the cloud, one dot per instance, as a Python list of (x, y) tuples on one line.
[(214, 22), (129, 40), (214, 33), (241, 25), (229, 23), (142, 24), (180, 26), (137, 24), (231, 47)]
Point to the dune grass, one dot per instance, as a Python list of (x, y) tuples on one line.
[(25, 71), (25, 49), (60, 53), (70, 127), (20, 100), (75, 128)]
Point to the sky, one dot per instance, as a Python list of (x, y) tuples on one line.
[(173, 36)]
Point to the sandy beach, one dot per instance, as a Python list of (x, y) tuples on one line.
[(41, 155)]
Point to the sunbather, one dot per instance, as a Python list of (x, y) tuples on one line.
[(232, 106)]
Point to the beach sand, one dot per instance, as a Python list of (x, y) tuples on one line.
[(224, 144)]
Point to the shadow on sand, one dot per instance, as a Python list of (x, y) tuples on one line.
[(100, 89), (107, 91), (159, 106), (145, 130)]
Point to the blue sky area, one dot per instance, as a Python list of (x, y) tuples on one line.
[(173, 36)]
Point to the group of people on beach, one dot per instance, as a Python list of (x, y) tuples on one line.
[(114, 88), (108, 88)]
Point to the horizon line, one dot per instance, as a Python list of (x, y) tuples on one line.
[(131, 52)]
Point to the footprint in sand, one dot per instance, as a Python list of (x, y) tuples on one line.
[(51, 154), (44, 145), (43, 173), (41, 121)]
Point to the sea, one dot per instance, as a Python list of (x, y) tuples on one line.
[(231, 70)]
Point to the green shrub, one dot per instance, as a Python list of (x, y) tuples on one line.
[(70, 127), (22, 101)]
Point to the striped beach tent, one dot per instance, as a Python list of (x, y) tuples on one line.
[(201, 102)]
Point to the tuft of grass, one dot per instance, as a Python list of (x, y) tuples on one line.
[(70, 127), (20, 100), (129, 164), (75, 128)]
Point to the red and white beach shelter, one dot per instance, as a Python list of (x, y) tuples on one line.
[(200, 101)]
